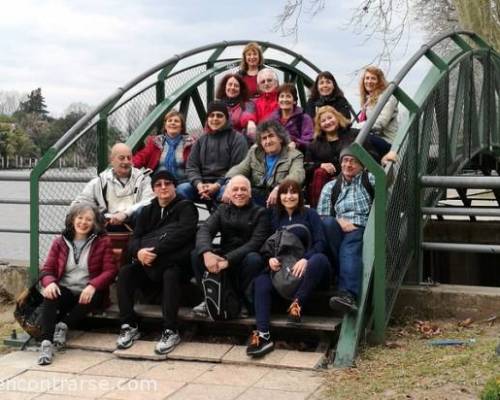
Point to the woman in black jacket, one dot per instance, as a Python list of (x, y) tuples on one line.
[(243, 229), (326, 92)]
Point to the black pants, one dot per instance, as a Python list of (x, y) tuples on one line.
[(66, 309), (135, 276), (242, 275)]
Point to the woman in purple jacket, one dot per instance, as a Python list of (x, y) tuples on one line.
[(76, 276), (298, 124)]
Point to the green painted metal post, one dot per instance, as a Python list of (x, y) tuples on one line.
[(102, 143), (160, 96), (34, 226), (379, 276), (35, 176)]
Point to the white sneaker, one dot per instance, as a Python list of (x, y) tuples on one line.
[(201, 310), (60, 335), (128, 335), (169, 339), (46, 353)]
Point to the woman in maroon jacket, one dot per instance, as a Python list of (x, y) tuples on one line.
[(75, 276), (170, 150)]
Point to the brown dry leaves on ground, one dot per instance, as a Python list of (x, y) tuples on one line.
[(407, 367), (7, 324)]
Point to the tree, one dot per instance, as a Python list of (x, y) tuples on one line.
[(34, 104), (9, 101), (77, 108), (390, 20), (15, 142)]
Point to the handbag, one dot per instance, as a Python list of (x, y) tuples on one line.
[(288, 249), (28, 310)]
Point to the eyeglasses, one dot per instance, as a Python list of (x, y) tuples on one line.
[(162, 183), (268, 80)]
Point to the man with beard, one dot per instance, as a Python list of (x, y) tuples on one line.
[(120, 190)]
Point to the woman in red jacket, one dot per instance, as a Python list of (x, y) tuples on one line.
[(169, 150), (75, 276)]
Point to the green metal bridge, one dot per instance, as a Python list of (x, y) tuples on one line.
[(451, 125)]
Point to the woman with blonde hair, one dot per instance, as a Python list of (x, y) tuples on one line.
[(371, 88), (252, 61)]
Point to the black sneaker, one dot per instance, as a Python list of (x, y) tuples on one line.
[(343, 302), (259, 344)]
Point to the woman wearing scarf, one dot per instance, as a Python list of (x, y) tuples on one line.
[(168, 151)]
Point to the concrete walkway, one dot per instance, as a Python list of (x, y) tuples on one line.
[(87, 374)]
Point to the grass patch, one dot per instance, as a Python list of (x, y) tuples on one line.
[(407, 367)]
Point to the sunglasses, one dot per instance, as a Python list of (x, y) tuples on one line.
[(162, 183)]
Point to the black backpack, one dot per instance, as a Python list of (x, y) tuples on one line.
[(221, 299), (337, 188)]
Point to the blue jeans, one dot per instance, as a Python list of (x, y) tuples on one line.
[(317, 274), (189, 192), (346, 248)]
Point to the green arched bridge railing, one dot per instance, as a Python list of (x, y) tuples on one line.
[(185, 81), (453, 117)]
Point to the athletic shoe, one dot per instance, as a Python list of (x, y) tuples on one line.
[(128, 335), (169, 339), (259, 344), (201, 310), (60, 335), (294, 312), (344, 302), (46, 353)]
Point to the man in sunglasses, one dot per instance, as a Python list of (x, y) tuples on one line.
[(163, 239)]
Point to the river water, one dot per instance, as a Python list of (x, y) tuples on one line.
[(14, 245)]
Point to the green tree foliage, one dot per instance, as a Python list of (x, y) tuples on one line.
[(35, 104), (14, 141)]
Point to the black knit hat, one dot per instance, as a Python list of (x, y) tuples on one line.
[(217, 106), (163, 174)]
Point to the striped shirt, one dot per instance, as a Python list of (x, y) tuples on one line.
[(353, 203)]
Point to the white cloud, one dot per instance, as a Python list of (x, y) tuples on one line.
[(83, 50)]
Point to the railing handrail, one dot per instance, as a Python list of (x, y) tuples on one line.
[(394, 84), (115, 96)]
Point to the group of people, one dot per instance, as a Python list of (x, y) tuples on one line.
[(259, 162)]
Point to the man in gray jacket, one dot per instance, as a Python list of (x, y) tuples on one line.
[(120, 190)]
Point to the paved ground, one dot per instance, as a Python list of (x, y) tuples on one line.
[(87, 374)]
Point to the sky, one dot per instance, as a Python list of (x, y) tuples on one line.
[(82, 50)]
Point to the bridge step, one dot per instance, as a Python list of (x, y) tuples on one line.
[(309, 323), (198, 351)]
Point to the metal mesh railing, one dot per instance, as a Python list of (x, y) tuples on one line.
[(448, 130), (79, 155), (61, 183)]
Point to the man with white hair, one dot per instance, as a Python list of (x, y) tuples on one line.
[(120, 190), (243, 228)]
